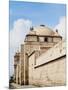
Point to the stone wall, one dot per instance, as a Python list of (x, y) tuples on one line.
[(17, 74), (16, 67), (21, 70), (49, 68)]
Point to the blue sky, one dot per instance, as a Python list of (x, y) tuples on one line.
[(38, 13)]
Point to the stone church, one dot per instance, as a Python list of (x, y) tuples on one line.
[(41, 60)]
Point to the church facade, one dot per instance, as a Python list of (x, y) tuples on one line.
[(41, 60)]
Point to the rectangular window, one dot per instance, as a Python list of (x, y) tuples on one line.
[(46, 39)]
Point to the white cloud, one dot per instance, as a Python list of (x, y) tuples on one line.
[(61, 26), (17, 35), (20, 29)]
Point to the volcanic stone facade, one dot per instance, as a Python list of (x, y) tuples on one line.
[(39, 61)]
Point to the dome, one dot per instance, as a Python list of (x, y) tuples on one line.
[(32, 32), (43, 30)]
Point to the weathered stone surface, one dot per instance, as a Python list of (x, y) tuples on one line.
[(40, 47), (51, 73)]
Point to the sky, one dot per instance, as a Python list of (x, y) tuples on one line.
[(37, 12), (23, 15)]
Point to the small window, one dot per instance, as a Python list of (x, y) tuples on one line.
[(46, 39)]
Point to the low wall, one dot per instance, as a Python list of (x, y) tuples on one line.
[(49, 68)]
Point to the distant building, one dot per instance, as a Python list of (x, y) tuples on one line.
[(38, 62)]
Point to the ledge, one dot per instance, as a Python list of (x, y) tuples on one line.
[(36, 66), (43, 35)]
